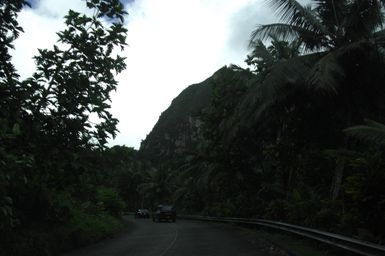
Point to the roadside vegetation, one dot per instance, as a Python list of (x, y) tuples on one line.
[(298, 136), (58, 187)]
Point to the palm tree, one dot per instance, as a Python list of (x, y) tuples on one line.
[(263, 57), (156, 186), (325, 24), (329, 27), (328, 33)]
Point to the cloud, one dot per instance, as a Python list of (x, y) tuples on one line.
[(245, 20), (172, 44)]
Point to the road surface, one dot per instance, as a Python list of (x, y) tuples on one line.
[(146, 238)]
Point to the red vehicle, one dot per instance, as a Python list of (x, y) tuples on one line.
[(164, 212)]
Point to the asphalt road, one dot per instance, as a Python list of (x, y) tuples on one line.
[(185, 238)]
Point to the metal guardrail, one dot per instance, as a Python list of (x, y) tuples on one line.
[(347, 243)]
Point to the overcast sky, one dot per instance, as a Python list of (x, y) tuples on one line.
[(172, 44)]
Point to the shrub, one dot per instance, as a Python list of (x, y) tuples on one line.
[(87, 228), (277, 210), (110, 200)]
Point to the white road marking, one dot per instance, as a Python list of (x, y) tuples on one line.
[(172, 243)]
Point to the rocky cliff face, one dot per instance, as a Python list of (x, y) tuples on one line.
[(179, 127)]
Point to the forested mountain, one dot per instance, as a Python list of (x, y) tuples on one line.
[(284, 139), (298, 136)]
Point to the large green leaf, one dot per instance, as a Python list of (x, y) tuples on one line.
[(326, 74), (372, 132)]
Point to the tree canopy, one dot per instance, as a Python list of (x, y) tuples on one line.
[(284, 139), (54, 128)]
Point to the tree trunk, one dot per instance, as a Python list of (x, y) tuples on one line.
[(337, 181)]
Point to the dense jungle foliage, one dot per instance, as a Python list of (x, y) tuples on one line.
[(60, 186), (297, 137)]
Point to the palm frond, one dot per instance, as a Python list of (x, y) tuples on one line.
[(295, 14), (188, 170), (310, 39), (371, 132), (275, 88), (181, 192), (379, 37), (381, 53), (260, 51), (295, 46), (350, 157), (291, 12), (363, 18), (375, 124), (342, 153), (331, 11), (207, 175), (147, 187), (326, 74), (285, 50), (281, 31)]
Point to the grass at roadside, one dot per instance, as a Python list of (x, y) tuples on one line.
[(88, 228), (42, 240)]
